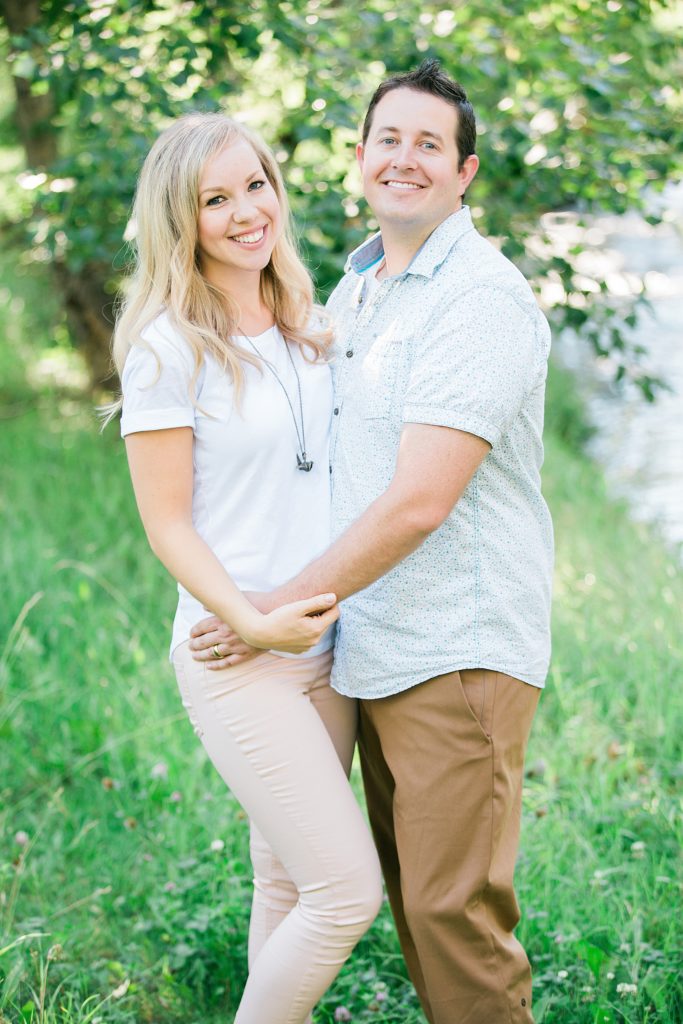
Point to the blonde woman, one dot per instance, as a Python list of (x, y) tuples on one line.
[(226, 404)]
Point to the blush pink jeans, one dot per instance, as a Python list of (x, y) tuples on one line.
[(283, 741)]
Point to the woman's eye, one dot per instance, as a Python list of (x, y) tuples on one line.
[(255, 185), (215, 200)]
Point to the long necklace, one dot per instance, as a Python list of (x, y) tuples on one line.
[(302, 462)]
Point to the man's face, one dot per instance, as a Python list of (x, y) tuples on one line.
[(409, 163)]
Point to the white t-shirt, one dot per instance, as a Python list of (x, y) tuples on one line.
[(262, 517)]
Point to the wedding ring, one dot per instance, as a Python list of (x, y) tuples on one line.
[(216, 653)]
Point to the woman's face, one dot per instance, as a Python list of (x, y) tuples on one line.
[(239, 216)]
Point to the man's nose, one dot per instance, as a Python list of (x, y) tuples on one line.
[(404, 157)]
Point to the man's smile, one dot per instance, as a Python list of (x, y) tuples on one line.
[(405, 185)]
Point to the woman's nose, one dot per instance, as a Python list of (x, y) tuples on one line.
[(244, 211)]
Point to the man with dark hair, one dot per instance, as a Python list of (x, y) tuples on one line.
[(443, 556), (431, 79)]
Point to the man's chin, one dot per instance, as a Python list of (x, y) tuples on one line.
[(404, 221)]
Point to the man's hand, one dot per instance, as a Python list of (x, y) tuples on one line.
[(211, 637)]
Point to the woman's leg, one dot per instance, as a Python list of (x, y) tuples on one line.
[(261, 730), (274, 892)]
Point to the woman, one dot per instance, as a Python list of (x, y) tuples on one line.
[(225, 411)]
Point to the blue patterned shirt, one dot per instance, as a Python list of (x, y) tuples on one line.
[(456, 340)]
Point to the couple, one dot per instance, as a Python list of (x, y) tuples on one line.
[(435, 555)]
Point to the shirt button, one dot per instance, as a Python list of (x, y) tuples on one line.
[(336, 412), (349, 353)]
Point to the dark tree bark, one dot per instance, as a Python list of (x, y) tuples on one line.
[(87, 304), (33, 114), (89, 311)]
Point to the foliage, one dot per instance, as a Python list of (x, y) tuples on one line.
[(576, 101)]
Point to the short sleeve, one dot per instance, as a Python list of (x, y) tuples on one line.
[(474, 370), (156, 384)]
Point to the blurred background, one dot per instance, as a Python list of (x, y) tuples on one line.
[(123, 864)]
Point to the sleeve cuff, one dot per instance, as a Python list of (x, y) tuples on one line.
[(437, 417), (155, 419)]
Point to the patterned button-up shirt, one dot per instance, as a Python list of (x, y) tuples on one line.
[(456, 340)]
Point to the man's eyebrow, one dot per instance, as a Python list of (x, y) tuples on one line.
[(222, 188), (425, 132)]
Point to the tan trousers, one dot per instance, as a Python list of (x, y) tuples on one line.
[(281, 738), (442, 766)]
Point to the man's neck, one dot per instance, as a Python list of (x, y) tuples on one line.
[(399, 250), (400, 247)]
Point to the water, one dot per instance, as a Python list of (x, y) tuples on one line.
[(639, 444)]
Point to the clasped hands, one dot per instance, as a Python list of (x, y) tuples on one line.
[(216, 644)]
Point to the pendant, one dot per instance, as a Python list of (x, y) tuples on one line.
[(303, 463)]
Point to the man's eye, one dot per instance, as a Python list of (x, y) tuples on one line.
[(386, 142)]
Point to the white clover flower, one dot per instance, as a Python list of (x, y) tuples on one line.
[(159, 771), (21, 838), (625, 988), (217, 845)]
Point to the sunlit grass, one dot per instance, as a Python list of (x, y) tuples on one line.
[(123, 861)]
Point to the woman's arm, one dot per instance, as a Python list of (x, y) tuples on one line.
[(160, 464)]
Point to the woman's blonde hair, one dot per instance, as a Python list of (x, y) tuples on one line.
[(167, 275)]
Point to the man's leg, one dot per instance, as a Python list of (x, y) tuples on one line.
[(379, 788), (454, 749)]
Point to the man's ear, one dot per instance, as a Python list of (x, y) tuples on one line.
[(359, 155), (470, 166)]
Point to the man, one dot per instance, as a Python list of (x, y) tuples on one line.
[(443, 554)]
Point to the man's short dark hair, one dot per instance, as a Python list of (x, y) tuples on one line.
[(431, 79)]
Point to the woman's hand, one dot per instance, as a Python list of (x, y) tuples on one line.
[(218, 646), (293, 628)]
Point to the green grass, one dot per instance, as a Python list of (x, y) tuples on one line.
[(113, 905)]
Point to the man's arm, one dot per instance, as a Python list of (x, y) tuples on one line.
[(433, 468)]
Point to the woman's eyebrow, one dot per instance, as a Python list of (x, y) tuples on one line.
[(222, 188)]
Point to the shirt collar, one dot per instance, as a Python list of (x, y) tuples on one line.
[(428, 257)]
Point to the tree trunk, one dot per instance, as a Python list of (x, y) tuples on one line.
[(89, 311), (88, 306), (33, 114)]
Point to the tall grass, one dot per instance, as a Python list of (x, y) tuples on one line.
[(123, 860)]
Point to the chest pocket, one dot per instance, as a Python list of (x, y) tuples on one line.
[(380, 375)]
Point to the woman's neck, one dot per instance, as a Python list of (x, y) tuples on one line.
[(254, 318), (245, 292)]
